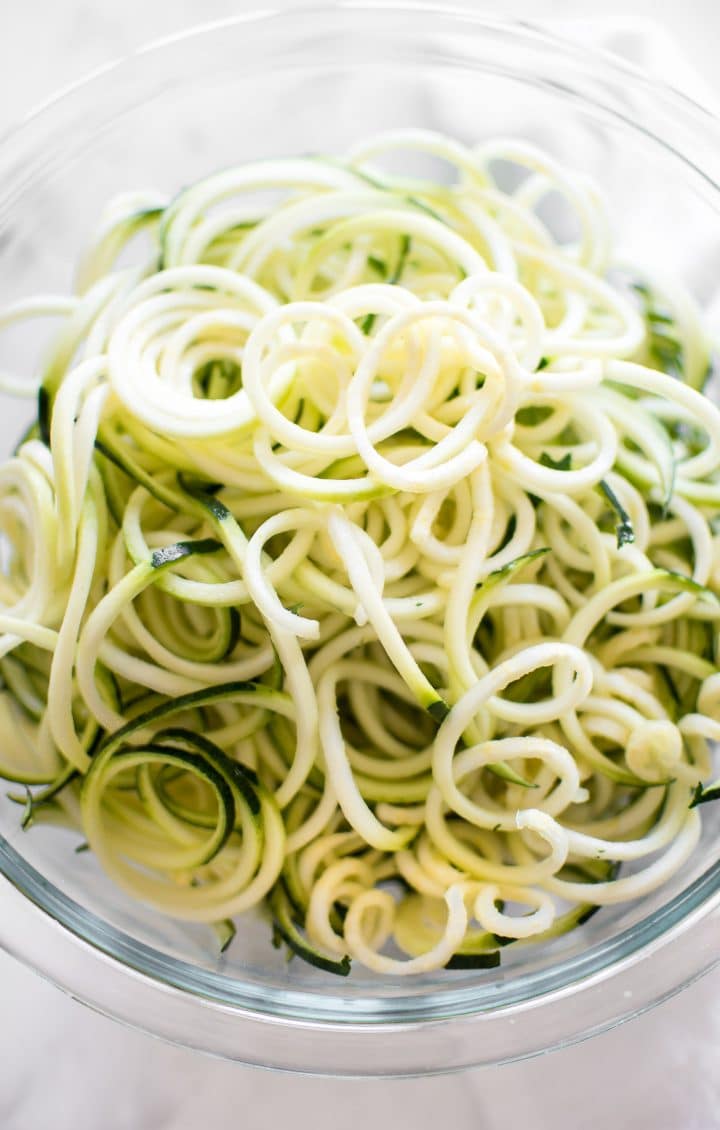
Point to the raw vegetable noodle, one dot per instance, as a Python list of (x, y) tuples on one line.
[(361, 563)]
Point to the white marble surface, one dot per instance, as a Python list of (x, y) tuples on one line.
[(64, 1068)]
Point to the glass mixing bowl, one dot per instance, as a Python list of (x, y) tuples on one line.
[(309, 81)]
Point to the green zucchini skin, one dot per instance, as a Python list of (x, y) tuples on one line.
[(286, 928)]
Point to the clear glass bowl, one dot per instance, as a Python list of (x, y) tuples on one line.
[(309, 81)]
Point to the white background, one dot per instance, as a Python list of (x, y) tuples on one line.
[(64, 1068)]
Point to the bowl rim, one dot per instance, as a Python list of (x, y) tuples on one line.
[(203, 989), (538, 29)]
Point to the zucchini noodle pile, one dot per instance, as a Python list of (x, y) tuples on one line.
[(360, 564)]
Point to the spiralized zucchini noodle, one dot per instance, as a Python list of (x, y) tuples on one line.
[(361, 562)]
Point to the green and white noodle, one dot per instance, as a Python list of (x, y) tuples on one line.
[(361, 564)]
